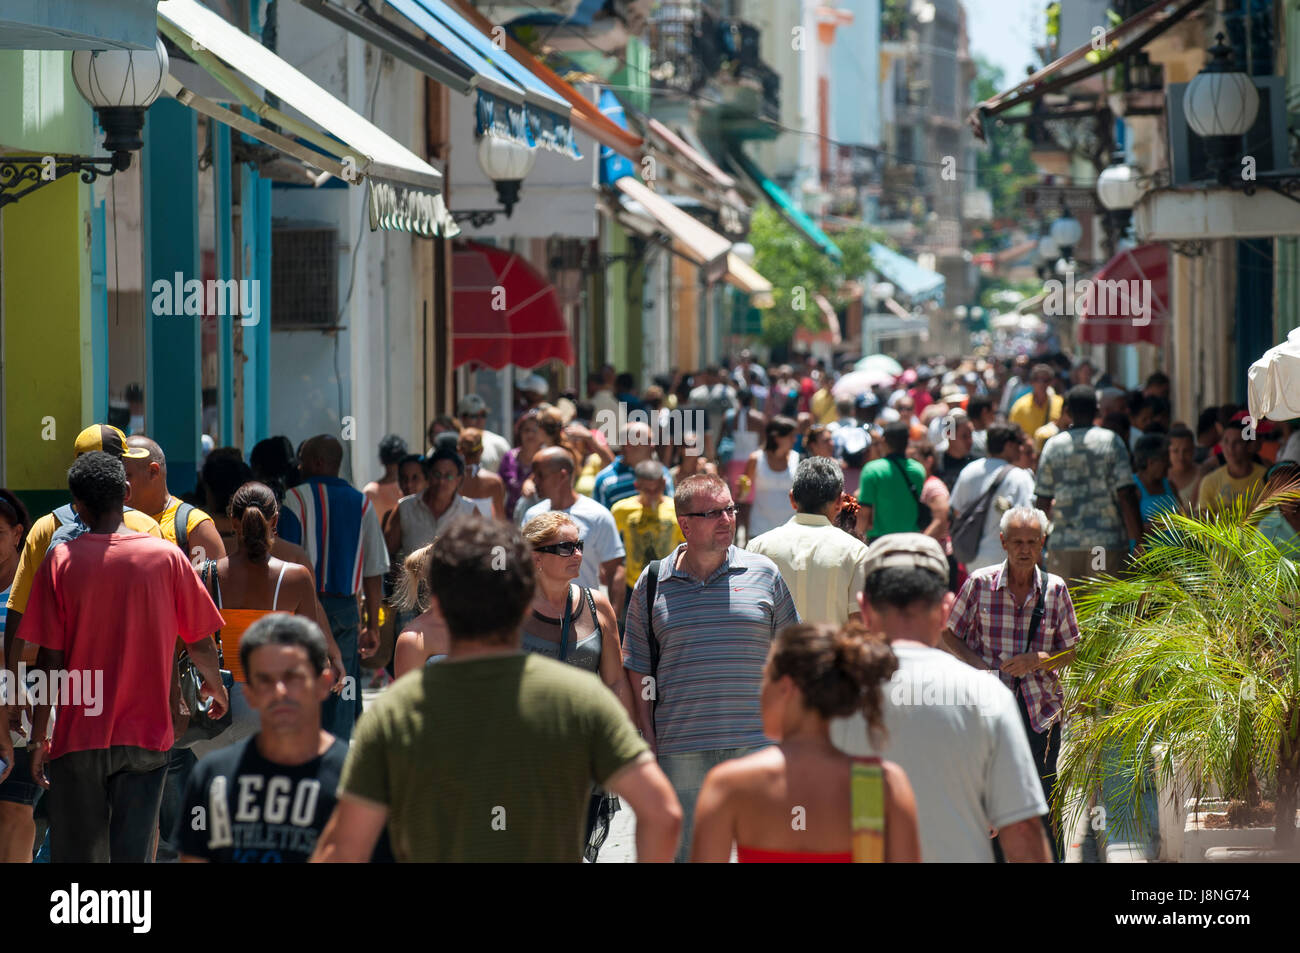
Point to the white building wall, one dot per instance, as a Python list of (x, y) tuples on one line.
[(371, 371)]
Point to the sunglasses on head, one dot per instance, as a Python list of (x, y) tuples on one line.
[(560, 549)]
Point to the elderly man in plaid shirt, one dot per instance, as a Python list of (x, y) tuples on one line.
[(1017, 620)]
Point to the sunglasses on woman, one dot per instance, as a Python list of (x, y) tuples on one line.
[(560, 549)]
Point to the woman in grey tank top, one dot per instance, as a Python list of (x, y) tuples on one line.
[(577, 626), (567, 622)]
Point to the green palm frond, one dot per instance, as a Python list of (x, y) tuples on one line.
[(1193, 655)]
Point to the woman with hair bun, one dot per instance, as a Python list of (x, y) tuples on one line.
[(251, 583), (802, 800)]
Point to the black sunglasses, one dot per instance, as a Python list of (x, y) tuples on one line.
[(560, 549)]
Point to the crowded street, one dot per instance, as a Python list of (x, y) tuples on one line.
[(634, 431)]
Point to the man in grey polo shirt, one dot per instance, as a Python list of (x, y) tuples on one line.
[(716, 609), (955, 731)]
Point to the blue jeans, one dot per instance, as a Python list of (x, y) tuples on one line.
[(340, 712), (686, 773)]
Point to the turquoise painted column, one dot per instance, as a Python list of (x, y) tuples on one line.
[(170, 200), (256, 256), (225, 270)]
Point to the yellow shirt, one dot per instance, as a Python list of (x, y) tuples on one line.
[(1030, 416), (647, 535), (1218, 488), (1044, 434), (823, 407), (586, 484), (167, 523), (38, 541)]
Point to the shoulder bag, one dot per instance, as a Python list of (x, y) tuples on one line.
[(191, 718), (923, 515)]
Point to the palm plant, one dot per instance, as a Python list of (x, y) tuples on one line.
[(1193, 655)]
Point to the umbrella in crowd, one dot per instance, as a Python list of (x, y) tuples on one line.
[(859, 382), (879, 362)]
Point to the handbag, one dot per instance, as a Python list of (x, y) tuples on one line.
[(923, 515), (191, 718)]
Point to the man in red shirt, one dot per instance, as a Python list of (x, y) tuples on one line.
[(106, 609)]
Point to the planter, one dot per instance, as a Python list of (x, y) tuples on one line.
[(1173, 807), (1249, 855), (1227, 844)]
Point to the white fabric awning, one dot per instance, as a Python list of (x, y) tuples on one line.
[(404, 190), (745, 277), (700, 243)]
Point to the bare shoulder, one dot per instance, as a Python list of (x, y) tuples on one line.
[(290, 552), (750, 770)]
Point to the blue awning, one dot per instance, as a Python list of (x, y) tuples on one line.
[(79, 25), (911, 280), (784, 204), (519, 105), (613, 165)]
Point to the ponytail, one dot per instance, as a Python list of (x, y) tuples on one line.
[(413, 589), (253, 509)]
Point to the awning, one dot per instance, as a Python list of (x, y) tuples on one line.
[(504, 311), (546, 115), (404, 189), (698, 242), (784, 204), (742, 275), (914, 282), (585, 116), (1127, 301), (1119, 42), (703, 166), (79, 25)]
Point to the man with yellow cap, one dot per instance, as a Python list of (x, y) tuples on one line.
[(110, 440)]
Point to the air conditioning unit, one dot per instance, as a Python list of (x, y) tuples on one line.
[(1265, 141)]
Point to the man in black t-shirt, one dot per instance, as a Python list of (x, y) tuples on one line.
[(267, 798)]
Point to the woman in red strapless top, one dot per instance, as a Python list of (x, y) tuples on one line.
[(791, 803)]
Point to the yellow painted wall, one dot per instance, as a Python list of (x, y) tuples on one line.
[(45, 296)]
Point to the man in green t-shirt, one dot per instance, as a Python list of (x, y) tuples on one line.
[(891, 506), (490, 754)]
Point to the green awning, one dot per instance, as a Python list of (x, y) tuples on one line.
[(784, 204)]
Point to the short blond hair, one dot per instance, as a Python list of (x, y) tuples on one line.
[(544, 526)]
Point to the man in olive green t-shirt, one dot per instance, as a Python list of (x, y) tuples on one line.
[(489, 755)]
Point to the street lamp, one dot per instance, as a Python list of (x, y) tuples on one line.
[(1048, 252), (1220, 104), (507, 163), (1118, 189), (120, 85)]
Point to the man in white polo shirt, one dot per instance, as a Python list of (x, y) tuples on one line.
[(602, 545), (955, 731), (823, 566)]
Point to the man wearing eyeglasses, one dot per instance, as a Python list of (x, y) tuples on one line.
[(715, 611)]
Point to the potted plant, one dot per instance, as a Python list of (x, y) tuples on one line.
[(1188, 669)]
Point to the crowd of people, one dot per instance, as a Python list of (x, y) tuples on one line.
[(823, 622)]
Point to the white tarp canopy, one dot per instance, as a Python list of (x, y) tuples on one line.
[(1274, 381)]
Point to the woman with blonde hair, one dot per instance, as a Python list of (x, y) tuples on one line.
[(575, 625), (854, 810), (425, 639)]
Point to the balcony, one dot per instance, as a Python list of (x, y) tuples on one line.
[(692, 51)]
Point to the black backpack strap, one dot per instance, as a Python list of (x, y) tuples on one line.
[(182, 529), (651, 587)]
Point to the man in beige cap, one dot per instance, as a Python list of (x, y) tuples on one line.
[(955, 731)]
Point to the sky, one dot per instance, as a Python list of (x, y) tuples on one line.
[(1004, 31)]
